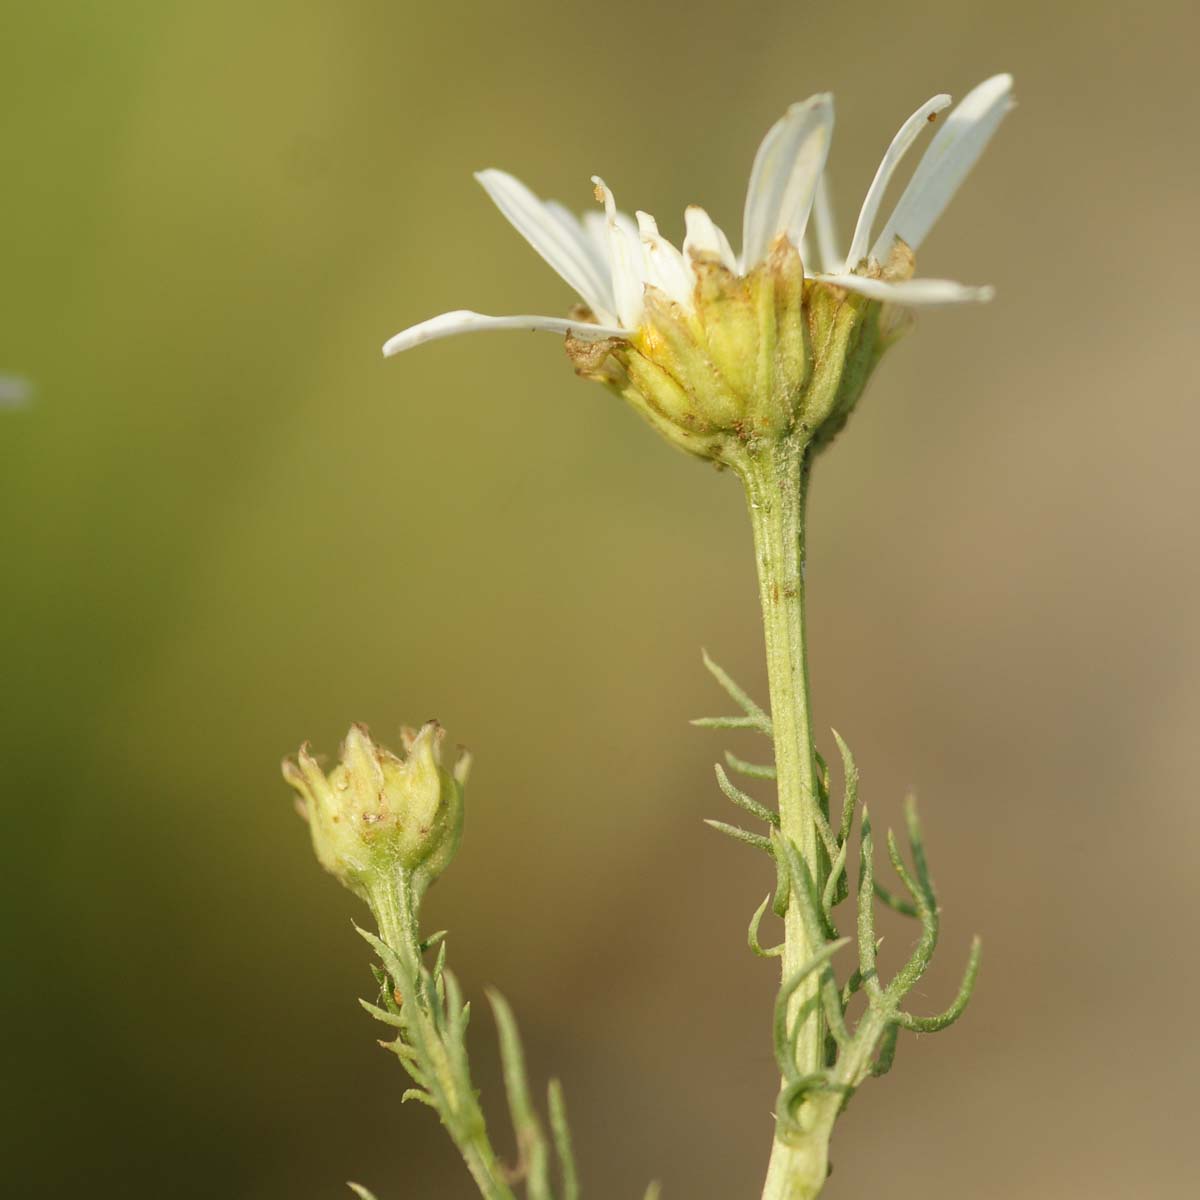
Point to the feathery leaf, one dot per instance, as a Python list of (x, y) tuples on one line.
[(737, 694), (747, 803), (752, 933), (749, 769), (561, 1132), (741, 835), (958, 1007), (731, 723), (530, 1138)]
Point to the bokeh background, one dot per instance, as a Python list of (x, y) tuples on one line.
[(228, 525)]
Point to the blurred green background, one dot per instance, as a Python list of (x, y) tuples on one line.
[(229, 525)]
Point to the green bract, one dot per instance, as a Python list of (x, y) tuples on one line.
[(754, 360)]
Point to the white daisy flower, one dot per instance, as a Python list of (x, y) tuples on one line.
[(610, 260)]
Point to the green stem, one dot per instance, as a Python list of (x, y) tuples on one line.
[(395, 909), (776, 486)]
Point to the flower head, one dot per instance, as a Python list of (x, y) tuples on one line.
[(376, 813), (720, 350)]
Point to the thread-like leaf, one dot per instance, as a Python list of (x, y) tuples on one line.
[(898, 903), (791, 1096), (403, 1051), (360, 1191), (387, 989), (737, 694), (908, 976), (416, 1094), (833, 892), (749, 769), (389, 957), (415, 1047), (958, 1007), (747, 803), (752, 933), (835, 1020), (741, 835), (783, 888), (851, 986), (381, 1014), (866, 908), (781, 1034), (561, 1132), (825, 830), (530, 1138), (850, 787), (912, 885), (731, 723), (822, 781), (916, 840), (887, 1052), (411, 1061), (914, 889), (455, 1039), (817, 928)]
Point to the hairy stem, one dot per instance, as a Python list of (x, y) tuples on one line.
[(776, 485), (395, 910)]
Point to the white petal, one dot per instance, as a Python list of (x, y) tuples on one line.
[(705, 237), (951, 155), (625, 254), (666, 268), (575, 228), (462, 321), (595, 225), (626, 222), (909, 132), (546, 234), (827, 239), (916, 292), (784, 177)]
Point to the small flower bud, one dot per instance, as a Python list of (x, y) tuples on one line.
[(377, 814)]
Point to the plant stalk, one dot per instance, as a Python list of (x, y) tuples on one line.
[(776, 484), (395, 910)]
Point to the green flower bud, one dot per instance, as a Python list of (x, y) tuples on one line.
[(376, 814), (757, 358)]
